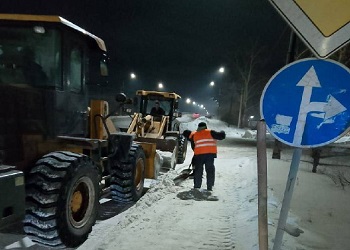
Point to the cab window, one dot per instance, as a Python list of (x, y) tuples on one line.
[(76, 70), (30, 55)]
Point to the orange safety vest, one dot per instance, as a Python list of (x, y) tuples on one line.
[(204, 143)]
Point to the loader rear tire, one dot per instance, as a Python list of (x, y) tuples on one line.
[(182, 149), (62, 199), (128, 178)]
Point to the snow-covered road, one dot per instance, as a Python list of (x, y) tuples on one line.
[(318, 219), (160, 220)]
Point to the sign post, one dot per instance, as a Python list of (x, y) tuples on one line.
[(288, 193), (305, 104), (262, 186)]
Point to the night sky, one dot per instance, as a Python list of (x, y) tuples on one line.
[(181, 43)]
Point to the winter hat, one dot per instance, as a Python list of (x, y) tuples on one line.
[(201, 126)]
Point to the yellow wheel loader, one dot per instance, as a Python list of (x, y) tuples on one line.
[(162, 129), (59, 150)]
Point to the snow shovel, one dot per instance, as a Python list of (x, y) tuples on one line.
[(184, 174)]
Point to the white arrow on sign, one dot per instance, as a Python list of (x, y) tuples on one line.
[(330, 108)]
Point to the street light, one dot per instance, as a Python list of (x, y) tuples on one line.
[(188, 100), (218, 84), (132, 76), (160, 85)]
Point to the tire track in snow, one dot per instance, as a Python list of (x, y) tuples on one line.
[(246, 194), (221, 235)]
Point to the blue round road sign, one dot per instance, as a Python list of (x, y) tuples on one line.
[(307, 103)]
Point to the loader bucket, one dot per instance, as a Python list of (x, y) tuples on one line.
[(168, 146), (161, 144)]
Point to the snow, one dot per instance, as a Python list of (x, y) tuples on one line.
[(318, 217)]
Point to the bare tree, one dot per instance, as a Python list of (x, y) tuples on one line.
[(342, 55), (250, 68), (246, 65)]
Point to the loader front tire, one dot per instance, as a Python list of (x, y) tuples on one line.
[(128, 178), (62, 199)]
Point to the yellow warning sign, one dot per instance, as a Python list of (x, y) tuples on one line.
[(327, 15)]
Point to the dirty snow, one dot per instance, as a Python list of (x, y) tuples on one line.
[(319, 217)]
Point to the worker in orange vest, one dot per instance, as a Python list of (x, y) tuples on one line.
[(203, 142)]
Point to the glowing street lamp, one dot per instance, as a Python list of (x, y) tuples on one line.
[(222, 70), (160, 85), (212, 84), (132, 77), (188, 100)]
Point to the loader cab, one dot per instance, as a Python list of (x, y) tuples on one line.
[(169, 102), (49, 68), (52, 62)]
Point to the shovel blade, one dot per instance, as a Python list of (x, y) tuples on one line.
[(177, 180), (186, 171)]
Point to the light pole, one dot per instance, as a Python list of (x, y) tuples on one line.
[(218, 86), (132, 77), (221, 71)]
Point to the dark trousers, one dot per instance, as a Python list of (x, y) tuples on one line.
[(199, 161)]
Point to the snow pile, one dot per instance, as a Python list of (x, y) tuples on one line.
[(213, 124), (249, 134), (157, 191)]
